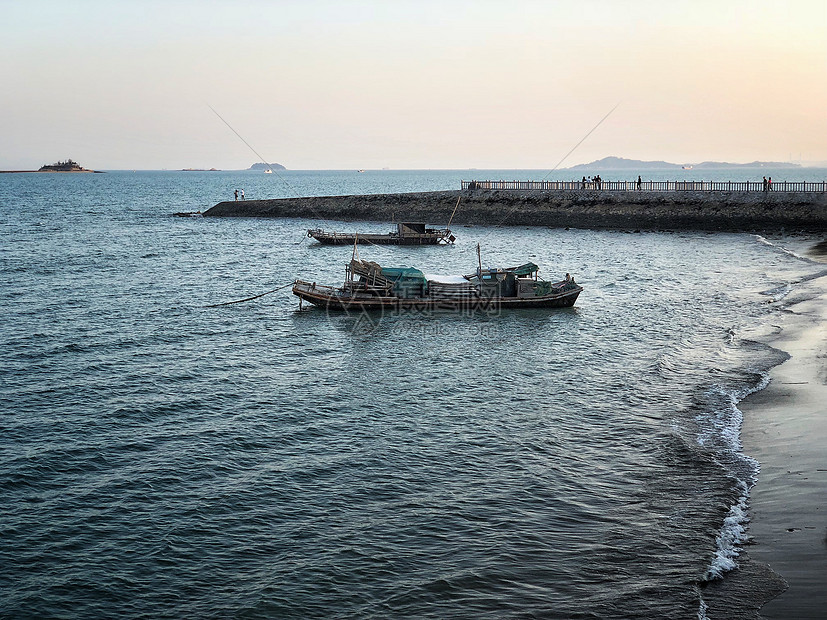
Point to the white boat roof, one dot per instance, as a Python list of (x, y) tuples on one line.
[(443, 279)]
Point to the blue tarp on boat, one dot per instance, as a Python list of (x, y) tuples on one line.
[(407, 281)]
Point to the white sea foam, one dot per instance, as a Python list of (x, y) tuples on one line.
[(781, 248), (726, 422), (779, 292), (730, 538), (702, 610), (726, 425)]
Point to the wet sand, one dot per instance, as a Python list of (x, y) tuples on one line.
[(785, 429)]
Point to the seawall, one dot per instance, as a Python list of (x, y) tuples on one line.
[(680, 210)]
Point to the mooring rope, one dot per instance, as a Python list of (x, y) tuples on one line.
[(227, 303)]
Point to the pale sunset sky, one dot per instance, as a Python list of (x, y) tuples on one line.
[(410, 84)]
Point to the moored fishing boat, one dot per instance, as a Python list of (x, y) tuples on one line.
[(407, 233), (369, 286)]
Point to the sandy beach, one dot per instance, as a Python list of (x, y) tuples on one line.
[(785, 429)]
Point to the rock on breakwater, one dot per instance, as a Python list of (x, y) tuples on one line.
[(684, 210)]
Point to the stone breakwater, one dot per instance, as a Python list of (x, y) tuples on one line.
[(684, 210)]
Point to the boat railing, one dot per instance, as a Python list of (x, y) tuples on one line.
[(324, 233), (312, 286)]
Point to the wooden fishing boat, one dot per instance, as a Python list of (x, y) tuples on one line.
[(407, 233), (368, 286)]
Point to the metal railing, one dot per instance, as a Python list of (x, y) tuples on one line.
[(652, 186)]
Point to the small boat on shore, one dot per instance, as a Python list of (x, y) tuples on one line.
[(369, 286), (407, 233)]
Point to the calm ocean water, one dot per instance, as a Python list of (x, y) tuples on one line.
[(166, 459)]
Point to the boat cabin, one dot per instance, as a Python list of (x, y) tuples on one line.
[(407, 229), (522, 281)]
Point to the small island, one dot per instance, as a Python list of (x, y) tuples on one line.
[(263, 166), (65, 166), (60, 166)]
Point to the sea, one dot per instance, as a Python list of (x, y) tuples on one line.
[(162, 455)]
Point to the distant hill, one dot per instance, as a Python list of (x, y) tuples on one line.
[(261, 166), (619, 163), (754, 164)]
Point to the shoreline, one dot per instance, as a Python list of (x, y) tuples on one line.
[(785, 429), (774, 212), (780, 570)]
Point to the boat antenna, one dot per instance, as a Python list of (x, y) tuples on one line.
[(264, 161), (269, 165), (455, 210), (479, 260), (239, 136), (355, 255), (581, 141)]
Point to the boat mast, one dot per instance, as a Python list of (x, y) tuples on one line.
[(353, 257), (453, 213)]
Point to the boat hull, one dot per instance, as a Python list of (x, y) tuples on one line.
[(376, 239), (331, 299)]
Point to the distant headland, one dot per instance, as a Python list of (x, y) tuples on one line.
[(60, 166), (620, 163)]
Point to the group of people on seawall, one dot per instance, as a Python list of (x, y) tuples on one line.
[(595, 182), (242, 195), (767, 184)]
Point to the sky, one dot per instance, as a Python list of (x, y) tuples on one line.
[(416, 84)]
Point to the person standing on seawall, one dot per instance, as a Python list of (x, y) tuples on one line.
[(236, 195), (769, 184), (242, 193), (639, 182)]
